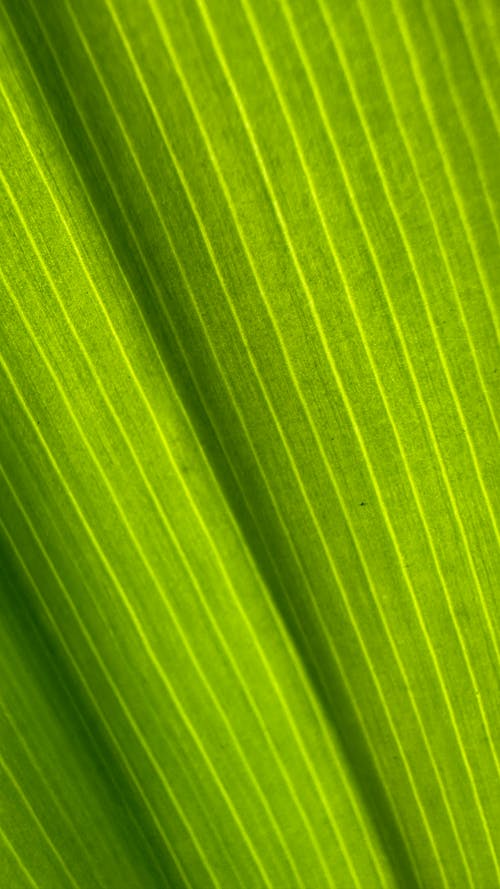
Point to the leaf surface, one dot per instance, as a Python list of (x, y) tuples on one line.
[(249, 464)]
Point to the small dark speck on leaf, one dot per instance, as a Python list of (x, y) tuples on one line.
[(363, 503)]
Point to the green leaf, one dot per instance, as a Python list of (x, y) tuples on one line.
[(249, 275)]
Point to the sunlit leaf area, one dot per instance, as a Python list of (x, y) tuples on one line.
[(249, 454)]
